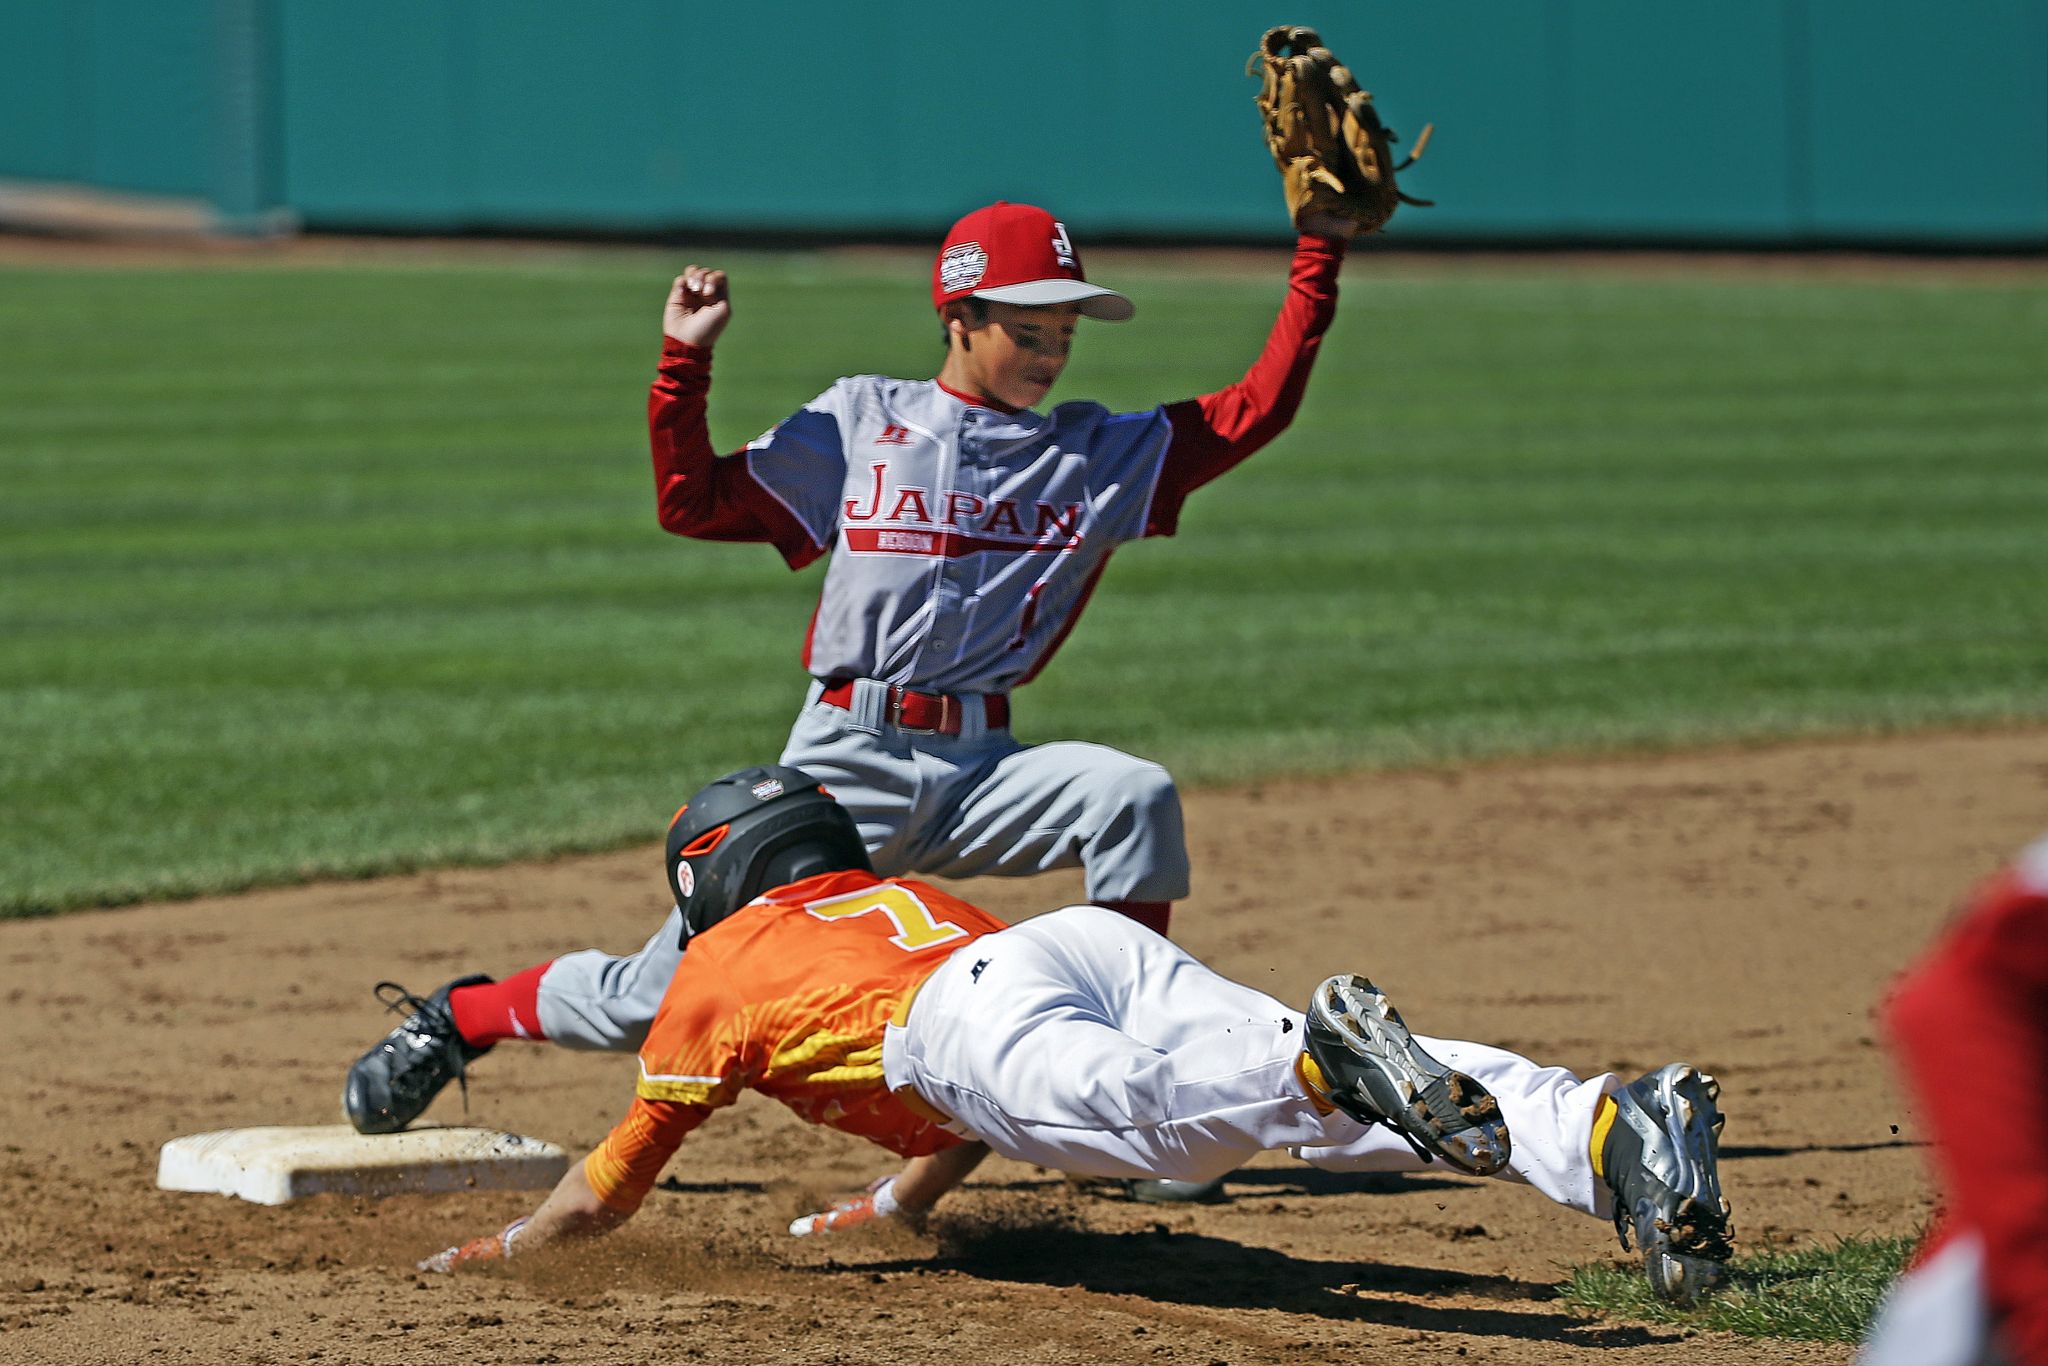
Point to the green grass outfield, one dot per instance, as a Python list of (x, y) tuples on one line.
[(313, 570)]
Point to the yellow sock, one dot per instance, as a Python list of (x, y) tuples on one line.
[(1314, 1082), (1603, 1120)]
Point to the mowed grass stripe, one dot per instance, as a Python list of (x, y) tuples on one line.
[(308, 571)]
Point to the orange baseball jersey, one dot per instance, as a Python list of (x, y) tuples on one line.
[(789, 996)]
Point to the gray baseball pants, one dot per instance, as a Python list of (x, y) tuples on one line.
[(979, 804)]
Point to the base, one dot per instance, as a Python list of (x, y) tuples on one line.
[(274, 1166)]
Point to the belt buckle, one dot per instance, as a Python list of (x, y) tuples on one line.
[(897, 694)]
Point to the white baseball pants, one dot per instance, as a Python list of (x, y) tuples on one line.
[(1083, 1042)]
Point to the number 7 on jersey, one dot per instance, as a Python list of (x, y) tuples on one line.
[(916, 926)]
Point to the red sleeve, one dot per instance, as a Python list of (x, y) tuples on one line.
[(1214, 432), (696, 494), (1970, 1025)]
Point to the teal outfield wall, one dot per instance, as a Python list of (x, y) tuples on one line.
[(1895, 121)]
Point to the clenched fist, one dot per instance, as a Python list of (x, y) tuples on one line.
[(699, 307)]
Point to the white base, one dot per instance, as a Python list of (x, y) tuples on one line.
[(274, 1166)]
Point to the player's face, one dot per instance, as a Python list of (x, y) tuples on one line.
[(1020, 351)]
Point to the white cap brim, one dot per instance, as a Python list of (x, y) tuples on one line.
[(1096, 302)]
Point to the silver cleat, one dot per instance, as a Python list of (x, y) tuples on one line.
[(1165, 1190), (1377, 1074), (1663, 1165)]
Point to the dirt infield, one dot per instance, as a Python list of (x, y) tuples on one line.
[(1741, 908)]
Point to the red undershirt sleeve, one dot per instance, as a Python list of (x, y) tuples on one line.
[(696, 493), (1214, 432), (1970, 1025)]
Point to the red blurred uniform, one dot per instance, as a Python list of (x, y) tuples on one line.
[(1969, 1023)]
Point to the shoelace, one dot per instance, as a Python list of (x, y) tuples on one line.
[(399, 999), (1401, 1130)]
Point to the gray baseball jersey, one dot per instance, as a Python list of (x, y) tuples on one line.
[(964, 539)]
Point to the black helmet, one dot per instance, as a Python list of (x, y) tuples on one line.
[(750, 831)]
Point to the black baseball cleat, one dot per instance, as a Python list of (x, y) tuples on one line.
[(1662, 1162), (391, 1085), (1373, 1070)]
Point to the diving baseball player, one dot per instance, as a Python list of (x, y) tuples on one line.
[(1082, 1042), (963, 530)]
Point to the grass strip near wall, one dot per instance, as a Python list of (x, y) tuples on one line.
[(331, 570), (1825, 1294)]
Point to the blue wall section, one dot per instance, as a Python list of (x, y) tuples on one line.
[(107, 92), (1674, 118), (374, 107), (150, 96), (1751, 120), (1934, 121), (42, 128)]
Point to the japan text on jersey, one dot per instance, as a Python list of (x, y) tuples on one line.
[(964, 539)]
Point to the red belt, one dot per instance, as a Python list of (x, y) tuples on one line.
[(924, 713)]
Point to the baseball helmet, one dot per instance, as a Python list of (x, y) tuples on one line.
[(751, 831)]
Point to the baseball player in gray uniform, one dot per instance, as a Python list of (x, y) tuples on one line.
[(964, 531)]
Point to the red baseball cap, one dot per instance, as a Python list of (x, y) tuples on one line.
[(1018, 254)]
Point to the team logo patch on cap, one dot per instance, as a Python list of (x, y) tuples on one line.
[(768, 789), (962, 267), (686, 878), (1062, 245)]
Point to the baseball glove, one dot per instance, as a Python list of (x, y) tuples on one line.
[(1334, 153)]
